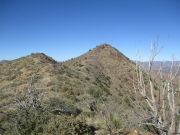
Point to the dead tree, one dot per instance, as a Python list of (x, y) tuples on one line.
[(162, 107)]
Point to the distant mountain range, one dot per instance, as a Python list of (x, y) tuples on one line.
[(3, 61), (166, 65)]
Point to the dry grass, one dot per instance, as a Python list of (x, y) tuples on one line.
[(99, 80)]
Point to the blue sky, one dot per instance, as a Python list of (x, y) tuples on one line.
[(67, 28)]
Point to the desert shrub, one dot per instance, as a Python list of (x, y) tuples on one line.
[(87, 69), (30, 115), (116, 121), (127, 101), (103, 82), (63, 125), (95, 92), (35, 117), (60, 107), (88, 114), (87, 78), (80, 65), (29, 123)]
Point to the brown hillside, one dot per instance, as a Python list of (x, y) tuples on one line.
[(109, 61), (16, 75), (99, 83)]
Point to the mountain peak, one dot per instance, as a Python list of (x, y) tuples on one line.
[(107, 50), (39, 55), (42, 57), (104, 46)]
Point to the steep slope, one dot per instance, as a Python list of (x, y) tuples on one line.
[(105, 62), (99, 83)]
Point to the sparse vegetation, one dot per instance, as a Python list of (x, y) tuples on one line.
[(32, 116), (90, 94)]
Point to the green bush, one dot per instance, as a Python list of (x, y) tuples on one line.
[(95, 92), (63, 125), (60, 107), (29, 117), (127, 101), (116, 121), (32, 116)]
